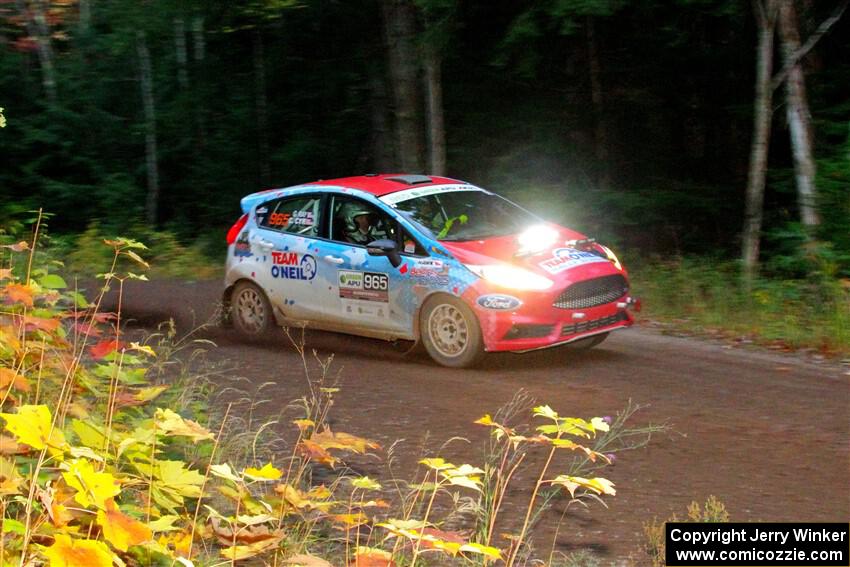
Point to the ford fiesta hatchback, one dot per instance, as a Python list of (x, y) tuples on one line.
[(422, 258)]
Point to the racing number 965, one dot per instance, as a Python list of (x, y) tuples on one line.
[(377, 282)]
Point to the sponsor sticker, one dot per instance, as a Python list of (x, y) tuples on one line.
[(407, 194), (430, 271), (499, 302), (242, 246), (293, 266), (364, 294), (364, 286), (565, 258)]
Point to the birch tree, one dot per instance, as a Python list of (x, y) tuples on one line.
[(765, 14)]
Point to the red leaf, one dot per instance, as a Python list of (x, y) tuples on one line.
[(104, 348)]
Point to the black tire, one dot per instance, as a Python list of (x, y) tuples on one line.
[(450, 332), (589, 342), (251, 312)]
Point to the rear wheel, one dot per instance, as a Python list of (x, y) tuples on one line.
[(589, 342), (450, 332), (251, 311)]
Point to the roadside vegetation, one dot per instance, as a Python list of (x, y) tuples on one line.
[(706, 298), (112, 451)]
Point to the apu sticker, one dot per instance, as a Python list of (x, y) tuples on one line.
[(565, 258), (364, 286), (499, 302), (293, 266)]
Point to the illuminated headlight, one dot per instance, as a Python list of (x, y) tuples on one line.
[(511, 277), (536, 238), (612, 257)]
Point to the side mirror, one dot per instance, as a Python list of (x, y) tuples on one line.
[(385, 247)]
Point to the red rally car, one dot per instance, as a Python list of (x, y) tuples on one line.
[(424, 258)]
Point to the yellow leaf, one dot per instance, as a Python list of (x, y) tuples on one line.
[(120, 530), (486, 420), (181, 479), (32, 426), (164, 524), (490, 552), (437, 463), (545, 411), (238, 552), (92, 487), (224, 471), (10, 479), (365, 483), (171, 423), (142, 348), (597, 485), (149, 393), (66, 552), (268, 472), (304, 424)]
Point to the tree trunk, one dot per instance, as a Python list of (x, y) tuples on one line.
[(799, 118), (181, 53), (399, 27), (146, 82), (382, 147), (261, 105), (198, 39), (85, 16), (199, 53), (35, 21), (436, 124), (600, 132), (762, 114)]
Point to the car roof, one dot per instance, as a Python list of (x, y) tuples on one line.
[(380, 184)]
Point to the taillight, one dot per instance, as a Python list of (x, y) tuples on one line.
[(234, 231)]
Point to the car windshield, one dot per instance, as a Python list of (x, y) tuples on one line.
[(466, 215)]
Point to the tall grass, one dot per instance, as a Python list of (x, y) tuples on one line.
[(703, 296)]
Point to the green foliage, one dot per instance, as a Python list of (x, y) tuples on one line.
[(169, 257), (699, 293)]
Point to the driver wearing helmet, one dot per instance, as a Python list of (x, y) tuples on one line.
[(359, 224)]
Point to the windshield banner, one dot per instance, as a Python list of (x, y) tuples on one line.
[(408, 194)]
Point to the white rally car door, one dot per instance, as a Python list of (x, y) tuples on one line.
[(369, 292), (287, 239)]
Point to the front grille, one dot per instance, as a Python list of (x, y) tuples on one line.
[(529, 331), (591, 293), (585, 326)]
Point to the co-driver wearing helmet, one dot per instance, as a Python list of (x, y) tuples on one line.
[(359, 225)]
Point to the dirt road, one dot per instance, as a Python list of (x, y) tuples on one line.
[(768, 434)]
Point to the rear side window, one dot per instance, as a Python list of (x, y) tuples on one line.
[(295, 215)]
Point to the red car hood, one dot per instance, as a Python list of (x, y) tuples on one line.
[(559, 262)]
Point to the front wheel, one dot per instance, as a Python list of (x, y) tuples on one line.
[(450, 332), (251, 311)]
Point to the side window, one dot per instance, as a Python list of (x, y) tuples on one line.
[(357, 222), (296, 215)]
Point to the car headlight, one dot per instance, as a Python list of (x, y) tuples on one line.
[(511, 277), (613, 257)]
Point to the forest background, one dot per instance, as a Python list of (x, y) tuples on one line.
[(713, 135)]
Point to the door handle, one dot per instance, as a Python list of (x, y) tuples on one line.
[(334, 259), (265, 244)]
